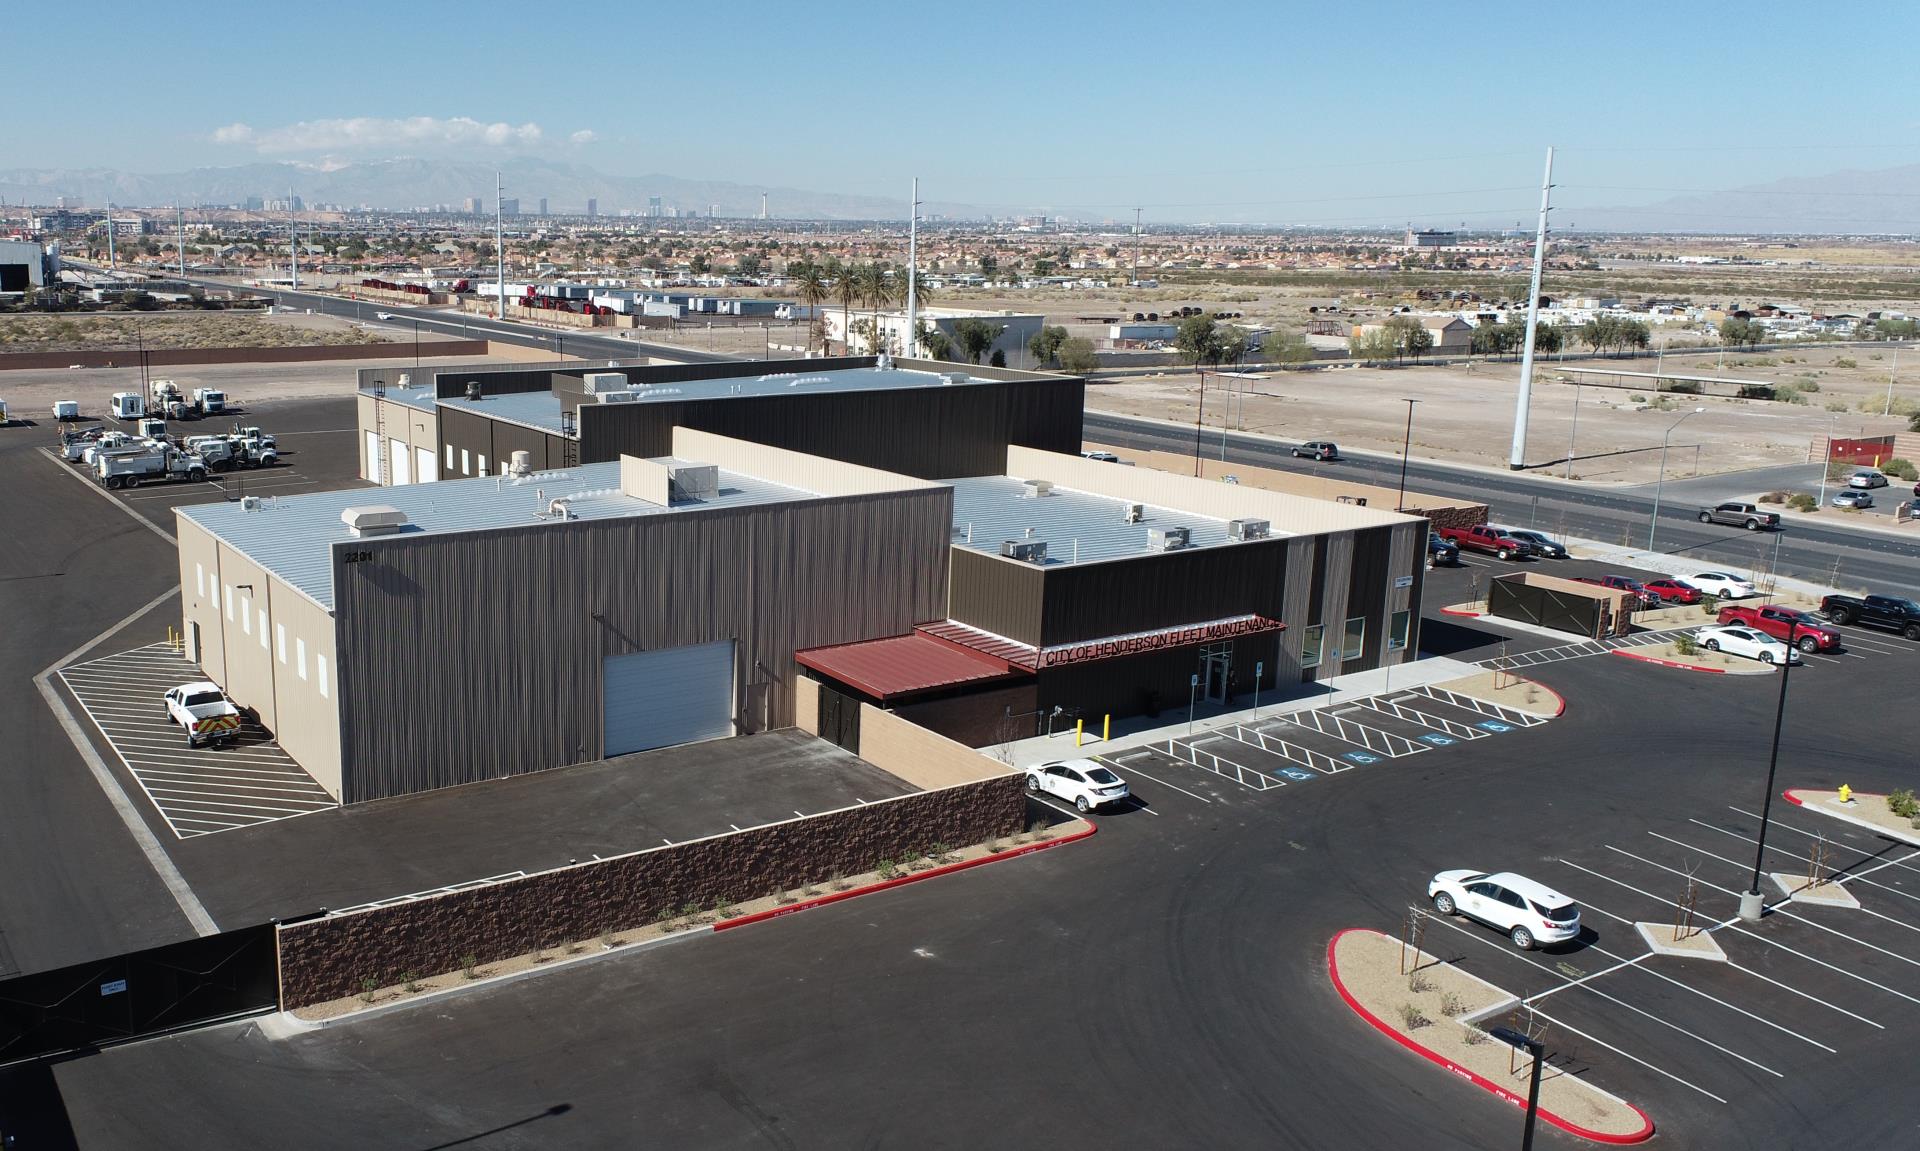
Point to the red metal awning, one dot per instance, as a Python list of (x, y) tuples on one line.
[(904, 665)]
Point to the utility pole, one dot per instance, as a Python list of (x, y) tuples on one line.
[(1518, 459), (111, 263), (180, 234), (499, 253), (1136, 250), (1891, 372), (293, 241), (913, 274)]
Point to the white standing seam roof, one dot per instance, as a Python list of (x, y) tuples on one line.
[(1077, 526), (537, 410), (414, 396), (292, 536)]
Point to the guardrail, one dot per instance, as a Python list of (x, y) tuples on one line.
[(1372, 738)]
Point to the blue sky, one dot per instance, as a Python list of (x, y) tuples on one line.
[(1230, 111)]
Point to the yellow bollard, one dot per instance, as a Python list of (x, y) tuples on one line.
[(1079, 730), (1846, 794), (1106, 727)]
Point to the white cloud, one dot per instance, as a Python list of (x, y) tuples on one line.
[(583, 136), (372, 134)]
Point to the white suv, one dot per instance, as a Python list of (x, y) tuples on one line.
[(1526, 912), (1082, 782)]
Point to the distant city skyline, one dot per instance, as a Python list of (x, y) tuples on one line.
[(1374, 115)]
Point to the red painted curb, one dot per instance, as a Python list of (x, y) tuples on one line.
[(1466, 614), (898, 881), (1668, 663), (1333, 970), (1790, 797)]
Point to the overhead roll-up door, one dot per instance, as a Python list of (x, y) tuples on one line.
[(666, 697)]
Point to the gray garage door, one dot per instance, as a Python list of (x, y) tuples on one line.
[(661, 698)]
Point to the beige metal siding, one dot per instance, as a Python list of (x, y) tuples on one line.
[(1299, 602), (200, 594), (1334, 609), (307, 719), (1404, 559)]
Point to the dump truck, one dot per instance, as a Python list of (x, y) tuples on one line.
[(209, 401), (155, 463)]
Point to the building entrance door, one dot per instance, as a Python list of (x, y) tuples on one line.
[(1216, 663)]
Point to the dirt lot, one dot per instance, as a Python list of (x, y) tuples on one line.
[(30, 394), (76, 331), (1465, 413)]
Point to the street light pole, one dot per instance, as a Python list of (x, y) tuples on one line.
[(1654, 522), (1752, 905), (1538, 1051), (1573, 431), (1826, 462), (1406, 446), (1193, 692)]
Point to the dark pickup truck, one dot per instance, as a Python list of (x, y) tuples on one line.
[(1882, 611)]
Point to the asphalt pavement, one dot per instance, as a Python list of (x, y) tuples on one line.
[(1828, 555)]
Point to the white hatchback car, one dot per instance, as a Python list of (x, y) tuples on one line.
[(1725, 585), (1744, 641), (1081, 782), (1528, 913)]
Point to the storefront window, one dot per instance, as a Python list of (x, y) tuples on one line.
[(1355, 638), (1310, 646), (1397, 640)]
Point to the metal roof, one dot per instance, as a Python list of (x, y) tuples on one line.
[(904, 665), (537, 410), (414, 396), (291, 536), (784, 383), (1078, 527)]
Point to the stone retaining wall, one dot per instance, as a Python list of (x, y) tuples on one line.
[(285, 354), (327, 958)]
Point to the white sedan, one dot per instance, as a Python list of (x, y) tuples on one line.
[(1744, 641), (1081, 782), (1725, 585), (1526, 912)]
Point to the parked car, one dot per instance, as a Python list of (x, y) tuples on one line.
[(1082, 782), (1103, 457), (1643, 595), (1724, 585), (1867, 478), (1744, 641), (1674, 591), (1542, 546), (1809, 634), (1852, 498), (1740, 516), (1882, 611), (1322, 450), (1443, 552), (1526, 912), (1489, 539), (204, 712)]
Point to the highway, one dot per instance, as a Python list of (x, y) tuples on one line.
[(1826, 555)]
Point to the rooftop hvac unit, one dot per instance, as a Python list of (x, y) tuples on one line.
[(616, 397), (522, 463), (406, 380), (1360, 500), (597, 383), (473, 389), (373, 520), (1029, 551), (1135, 513), (1034, 489), (955, 377), (1166, 539), (249, 503), (1247, 529), (693, 481)]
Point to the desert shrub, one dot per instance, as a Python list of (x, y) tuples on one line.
[(1836, 405), (1806, 383), (468, 963), (1847, 362), (1687, 387), (1636, 398), (1709, 604), (1774, 497), (1685, 644), (1418, 983), (1412, 1018), (1802, 502), (887, 868), (1475, 1036), (1903, 803), (1902, 468), (1451, 1004)]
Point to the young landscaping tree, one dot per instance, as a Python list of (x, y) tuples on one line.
[(1077, 356), (975, 336), (1198, 342), (1284, 346), (1045, 344)]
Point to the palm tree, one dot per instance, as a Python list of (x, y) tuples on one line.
[(846, 289), (811, 284), (877, 288)]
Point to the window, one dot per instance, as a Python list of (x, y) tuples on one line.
[(449, 459), (1397, 637), (300, 656), (280, 640), (1355, 638), (228, 590), (263, 629), (200, 580), (466, 462), (483, 466), (246, 614), (1310, 646), (320, 672)]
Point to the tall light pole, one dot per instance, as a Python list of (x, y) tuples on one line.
[(1519, 457), (1136, 250), (293, 241), (1406, 447), (1891, 372), (1654, 522), (1575, 429), (1752, 903), (1538, 1050), (499, 251), (913, 274), (1826, 461)]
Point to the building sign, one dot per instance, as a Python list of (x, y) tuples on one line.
[(1138, 643), (1402, 581)]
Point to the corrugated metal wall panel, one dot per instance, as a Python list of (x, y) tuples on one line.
[(1334, 608)]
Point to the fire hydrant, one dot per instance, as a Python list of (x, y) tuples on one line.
[(1846, 794)]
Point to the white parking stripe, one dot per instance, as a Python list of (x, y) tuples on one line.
[(1572, 1030), (1838, 879), (1716, 999), (1783, 851), (1733, 925), (1777, 822), (1164, 783), (1592, 990)]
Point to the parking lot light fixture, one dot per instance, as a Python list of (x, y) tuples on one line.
[(1752, 903), (1654, 521), (1406, 447), (1538, 1050), (1193, 692)]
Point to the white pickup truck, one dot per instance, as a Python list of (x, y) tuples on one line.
[(204, 712)]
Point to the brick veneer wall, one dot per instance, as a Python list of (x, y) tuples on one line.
[(1455, 516), (325, 959)]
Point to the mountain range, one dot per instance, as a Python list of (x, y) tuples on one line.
[(1879, 201), (410, 183)]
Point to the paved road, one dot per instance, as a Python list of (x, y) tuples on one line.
[(1806, 551)]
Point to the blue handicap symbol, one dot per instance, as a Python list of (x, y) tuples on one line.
[(1494, 725), (1362, 757), (1298, 775), (1438, 740)]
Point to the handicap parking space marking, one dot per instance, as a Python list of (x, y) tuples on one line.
[(1297, 774), (1360, 757), (1493, 725), (1437, 740)]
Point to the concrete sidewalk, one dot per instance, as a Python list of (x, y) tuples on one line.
[(1140, 731)]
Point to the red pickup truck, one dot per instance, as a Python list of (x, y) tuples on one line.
[(1494, 541), (1809, 634)]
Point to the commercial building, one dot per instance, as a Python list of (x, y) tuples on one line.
[(919, 418), (1016, 330), (1451, 334), (27, 264), (415, 638)]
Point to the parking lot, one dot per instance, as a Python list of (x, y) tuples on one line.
[(196, 790)]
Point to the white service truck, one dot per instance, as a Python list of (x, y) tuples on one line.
[(164, 400), (204, 712), (156, 462), (129, 406), (209, 401)]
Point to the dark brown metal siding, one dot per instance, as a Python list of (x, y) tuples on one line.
[(1367, 588), (1000, 595), (1088, 601), (478, 655)]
